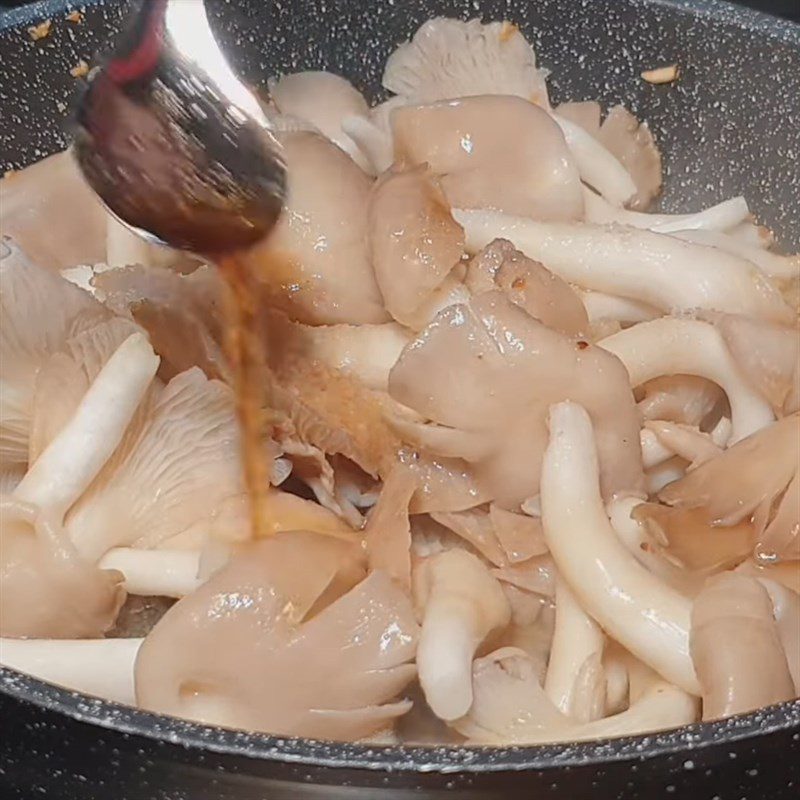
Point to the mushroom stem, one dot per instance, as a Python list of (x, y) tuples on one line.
[(673, 346), (462, 604), (597, 166), (661, 707), (155, 573), (633, 606), (720, 217), (71, 461), (600, 306), (576, 639), (738, 654), (665, 473), (772, 264), (654, 268), (637, 540), (99, 667), (786, 605), (654, 451)]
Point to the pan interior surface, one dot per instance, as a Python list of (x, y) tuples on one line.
[(730, 126)]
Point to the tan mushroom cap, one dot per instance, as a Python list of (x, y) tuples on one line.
[(326, 653)]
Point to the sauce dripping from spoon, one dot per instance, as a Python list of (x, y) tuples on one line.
[(179, 150)]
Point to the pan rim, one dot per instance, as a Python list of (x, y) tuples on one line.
[(451, 760), (409, 759), (725, 11)]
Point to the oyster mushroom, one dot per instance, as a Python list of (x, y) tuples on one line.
[(49, 591), (724, 216), (653, 268), (492, 152), (475, 526), (461, 604), (688, 442), (759, 472), (448, 58), (327, 651), (671, 346), (72, 459), (373, 134), (324, 100), (598, 167), (736, 649), (178, 462), (155, 573), (510, 707), (575, 681), (629, 141), (683, 399), (529, 285), (39, 313), (786, 607), (182, 314), (364, 352), (64, 378), (689, 537), (646, 616), (315, 265), (99, 667), (771, 264), (601, 307), (414, 241), (520, 535), (493, 343), (768, 356), (387, 535), (52, 195)]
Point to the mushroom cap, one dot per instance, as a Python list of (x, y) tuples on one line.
[(493, 152), (448, 58), (327, 651), (491, 342)]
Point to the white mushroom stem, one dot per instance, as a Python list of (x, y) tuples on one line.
[(155, 573), (688, 441), (99, 667), (633, 606), (786, 605), (676, 346), (71, 461), (772, 264), (752, 233), (462, 604), (597, 166), (372, 140), (685, 441), (630, 531), (720, 217), (667, 472), (577, 639), (617, 684), (653, 268), (654, 451), (601, 306), (721, 433), (661, 707)]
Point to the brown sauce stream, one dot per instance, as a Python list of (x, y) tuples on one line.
[(245, 352)]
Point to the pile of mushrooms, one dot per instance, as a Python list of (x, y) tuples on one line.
[(534, 461)]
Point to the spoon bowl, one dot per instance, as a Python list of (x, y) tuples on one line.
[(173, 143)]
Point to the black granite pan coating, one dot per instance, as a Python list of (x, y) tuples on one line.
[(732, 125)]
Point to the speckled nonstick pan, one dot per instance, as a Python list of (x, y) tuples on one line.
[(731, 126)]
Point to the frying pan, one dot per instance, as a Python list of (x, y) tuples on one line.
[(730, 126)]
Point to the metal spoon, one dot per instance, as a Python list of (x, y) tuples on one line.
[(173, 143)]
